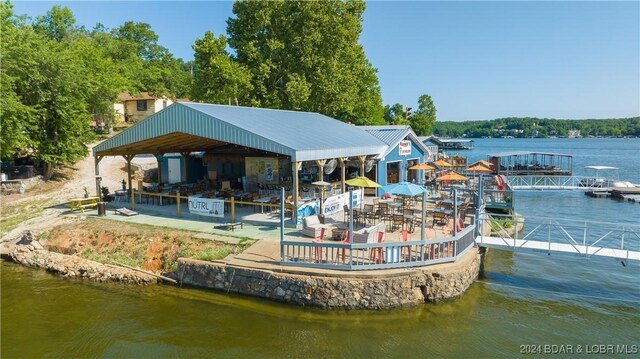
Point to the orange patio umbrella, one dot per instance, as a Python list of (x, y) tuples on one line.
[(483, 162), (452, 176), (442, 163), (479, 169), (422, 166)]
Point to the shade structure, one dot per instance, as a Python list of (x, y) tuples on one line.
[(479, 169), (404, 188), (482, 162), (361, 182), (442, 163), (422, 166), (452, 176)]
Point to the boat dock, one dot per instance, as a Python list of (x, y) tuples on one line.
[(623, 193)]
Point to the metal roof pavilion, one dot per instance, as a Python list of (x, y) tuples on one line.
[(187, 126)]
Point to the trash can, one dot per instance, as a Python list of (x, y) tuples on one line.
[(102, 208)]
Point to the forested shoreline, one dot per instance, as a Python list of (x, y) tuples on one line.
[(522, 127)]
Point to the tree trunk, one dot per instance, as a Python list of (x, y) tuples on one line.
[(47, 170)]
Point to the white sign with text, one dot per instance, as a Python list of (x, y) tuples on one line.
[(206, 206), (336, 203), (404, 148)]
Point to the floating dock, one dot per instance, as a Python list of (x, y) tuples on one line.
[(624, 193)]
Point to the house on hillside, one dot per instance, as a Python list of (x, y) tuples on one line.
[(137, 108)]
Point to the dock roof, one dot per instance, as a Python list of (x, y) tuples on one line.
[(188, 126), (520, 153)]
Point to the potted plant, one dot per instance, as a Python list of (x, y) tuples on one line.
[(86, 191)]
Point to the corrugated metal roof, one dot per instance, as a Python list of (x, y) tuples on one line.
[(302, 135), (393, 134), (519, 153)]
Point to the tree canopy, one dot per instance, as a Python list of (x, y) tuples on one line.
[(305, 55), (539, 127), (421, 120)]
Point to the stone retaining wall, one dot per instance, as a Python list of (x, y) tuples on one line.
[(409, 287)]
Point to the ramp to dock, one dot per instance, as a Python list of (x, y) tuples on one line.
[(584, 250)]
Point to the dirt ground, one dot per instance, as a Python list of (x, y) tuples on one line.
[(41, 210), (151, 248), (51, 197)]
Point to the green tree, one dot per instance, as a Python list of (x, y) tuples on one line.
[(394, 115), (424, 118), (57, 24), (217, 78), (305, 55), (45, 81), (16, 119)]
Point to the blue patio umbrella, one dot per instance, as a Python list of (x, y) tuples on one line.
[(404, 188)]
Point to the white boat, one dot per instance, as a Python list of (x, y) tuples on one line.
[(602, 182)]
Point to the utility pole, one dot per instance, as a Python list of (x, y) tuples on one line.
[(407, 112)]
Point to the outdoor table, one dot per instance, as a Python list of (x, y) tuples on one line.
[(394, 205), (262, 201), (448, 212), (338, 234), (228, 225), (82, 203), (121, 195)]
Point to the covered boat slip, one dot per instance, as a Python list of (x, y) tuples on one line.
[(243, 150), (531, 163)]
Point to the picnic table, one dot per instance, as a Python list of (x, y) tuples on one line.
[(82, 203), (231, 226)]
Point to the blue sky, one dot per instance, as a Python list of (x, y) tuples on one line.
[(477, 60)]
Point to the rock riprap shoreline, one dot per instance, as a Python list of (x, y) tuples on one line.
[(31, 253)]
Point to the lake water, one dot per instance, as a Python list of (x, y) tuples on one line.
[(522, 299)]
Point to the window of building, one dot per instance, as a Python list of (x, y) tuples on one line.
[(141, 105)]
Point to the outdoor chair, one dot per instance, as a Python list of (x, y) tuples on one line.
[(312, 227), (368, 213), (376, 253), (405, 238), (385, 214), (318, 250), (397, 221), (440, 218)]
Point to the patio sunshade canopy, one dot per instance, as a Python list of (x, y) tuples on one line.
[(442, 163), (361, 182), (404, 188), (452, 176), (479, 169), (482, 162), (422, 166), (194, 127)]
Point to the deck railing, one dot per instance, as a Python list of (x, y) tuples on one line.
[(385, 255), (553, 182), (586, 238)]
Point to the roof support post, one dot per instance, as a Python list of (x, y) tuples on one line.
[(321, 164), (343, 164), (361, 161), (185, 175), (294, 211), (128, 158), (97, 160), (158, 157)]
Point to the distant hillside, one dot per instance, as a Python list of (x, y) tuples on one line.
[(540, 127)]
